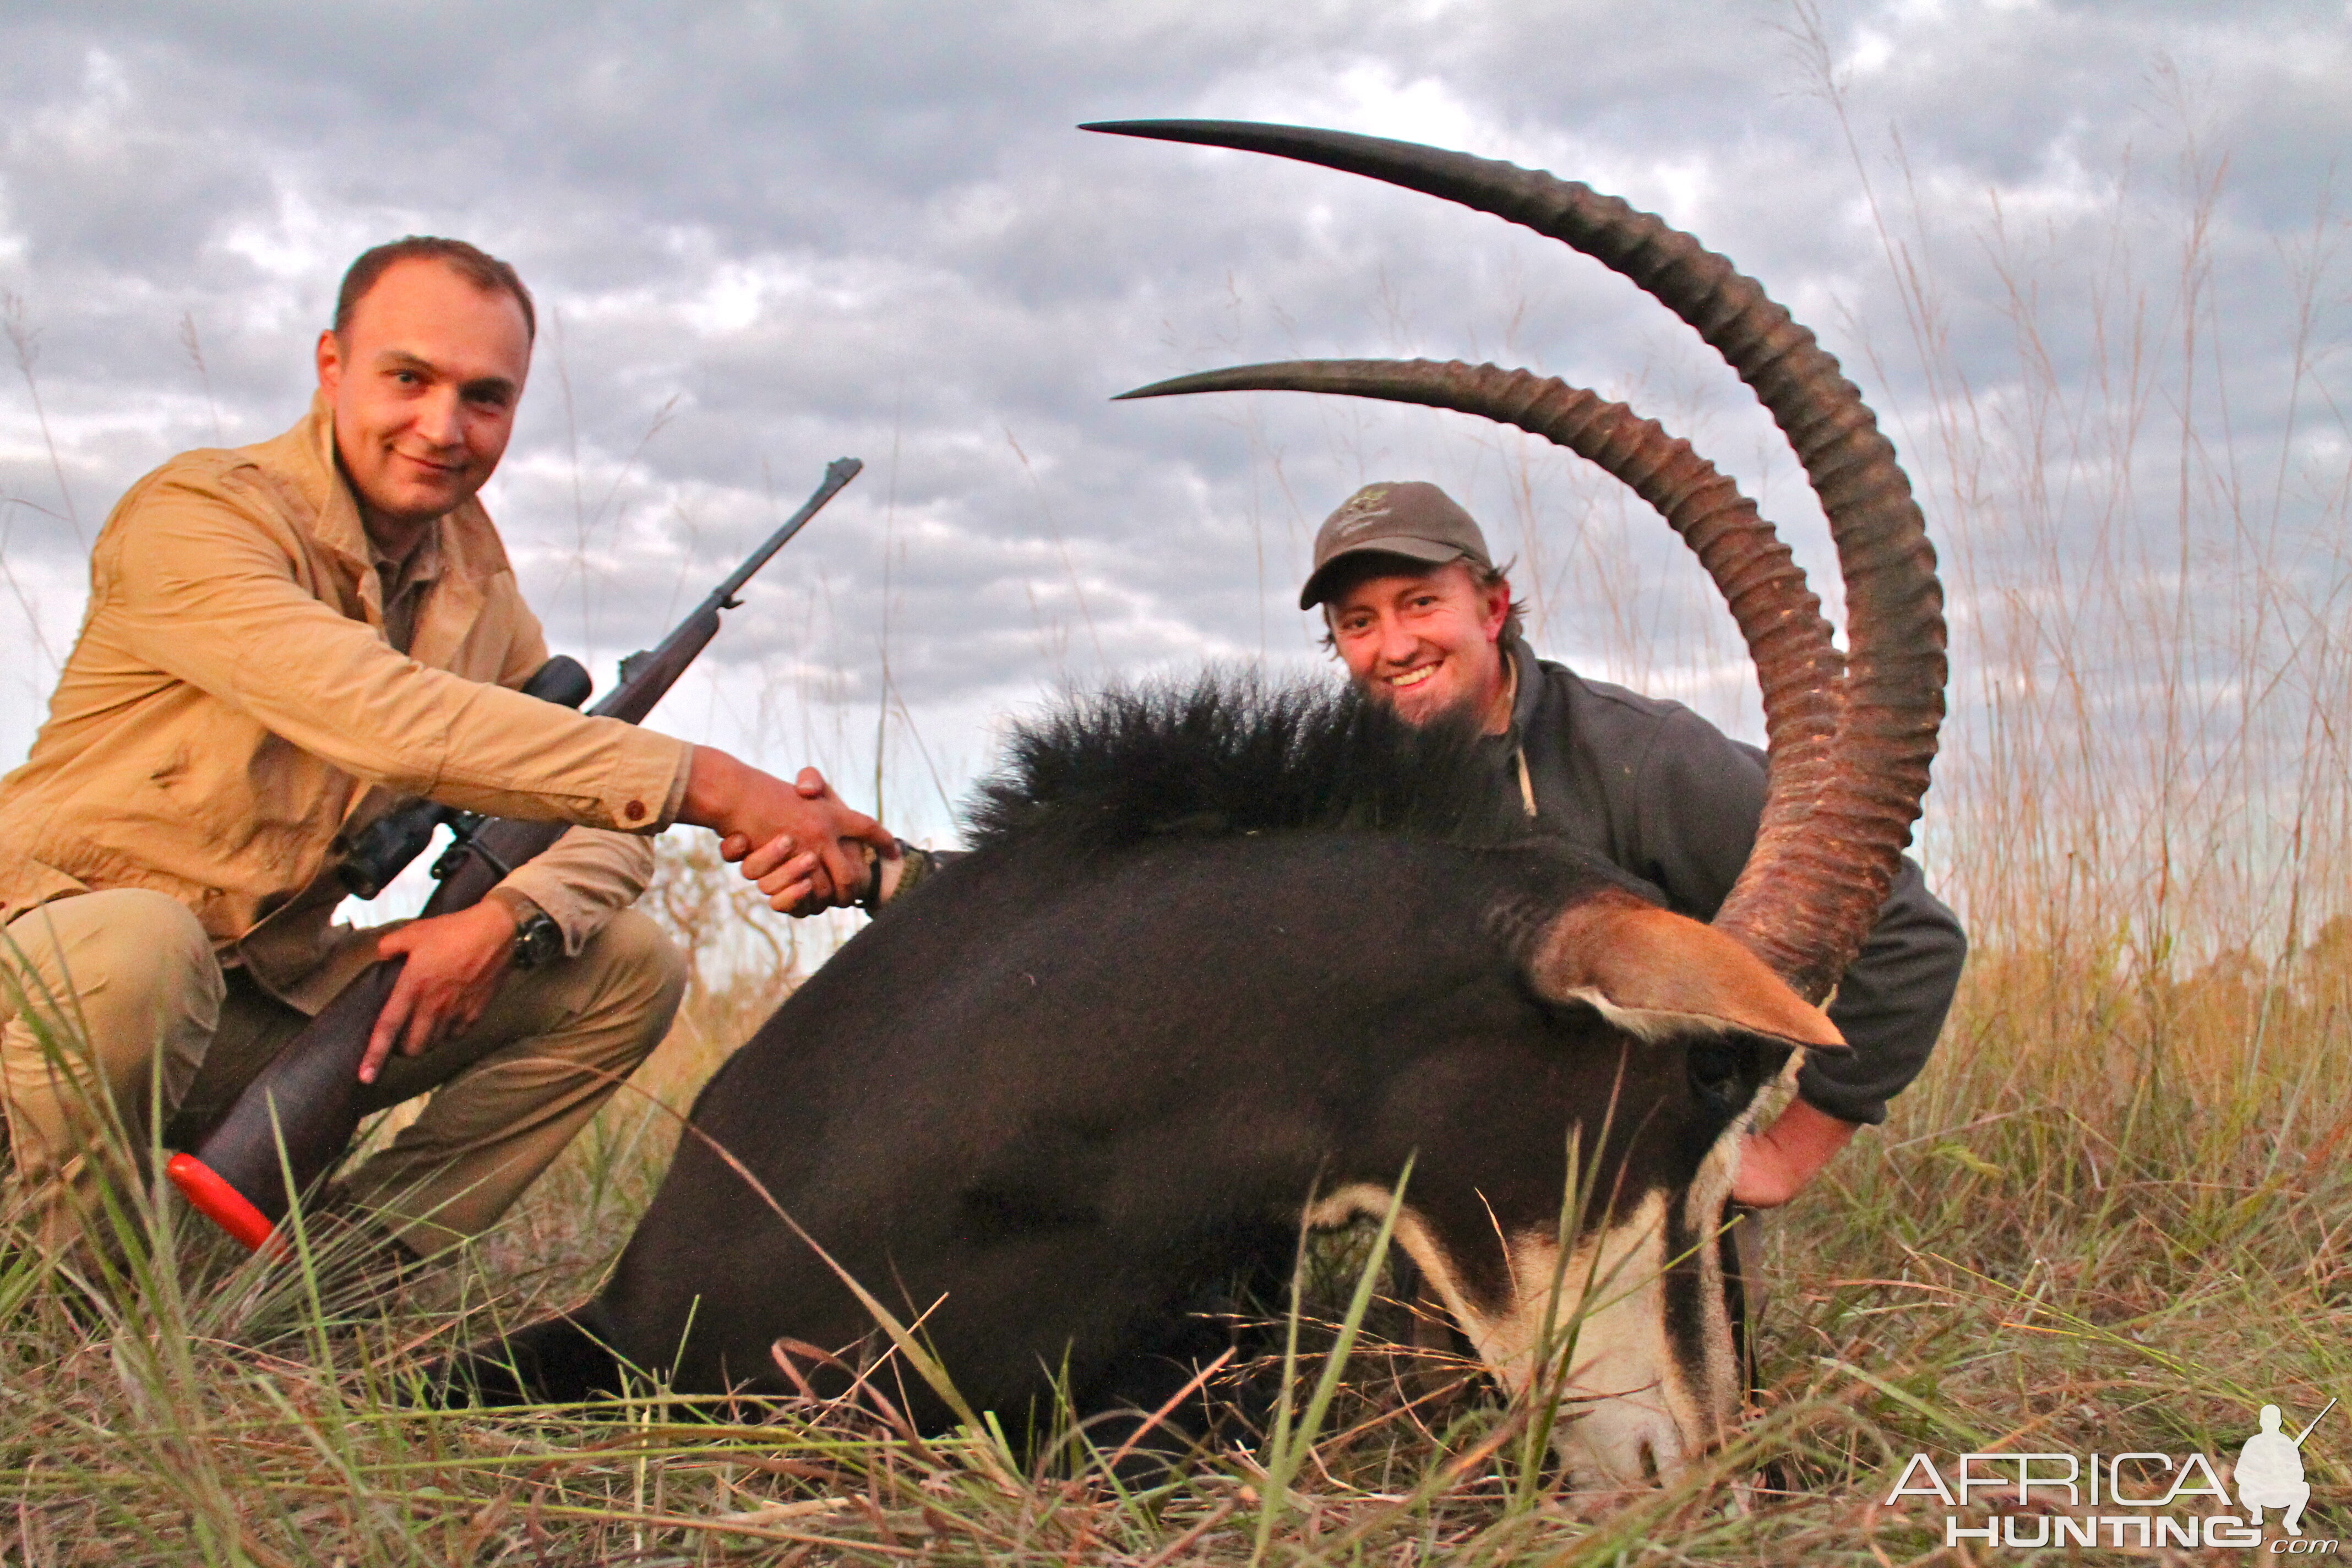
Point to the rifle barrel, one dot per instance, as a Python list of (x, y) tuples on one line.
[(837, 473)]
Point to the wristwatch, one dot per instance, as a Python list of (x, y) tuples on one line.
[(537, 939)]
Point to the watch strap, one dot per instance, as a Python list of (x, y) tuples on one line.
[(537, 939)]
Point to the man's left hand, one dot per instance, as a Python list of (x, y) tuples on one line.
[(1777, 1163), (455, 964)]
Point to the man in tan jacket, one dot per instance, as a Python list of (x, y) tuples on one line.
[(281, 642)]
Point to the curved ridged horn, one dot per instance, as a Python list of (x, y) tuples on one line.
[(1821, 867)]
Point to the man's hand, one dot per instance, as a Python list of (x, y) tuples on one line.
[(455, 964), (786, 873), (1777, 1163), (812, 850)]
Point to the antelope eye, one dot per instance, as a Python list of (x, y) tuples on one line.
[(1716, 1074)]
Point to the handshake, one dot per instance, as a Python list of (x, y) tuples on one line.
[(806, 849)]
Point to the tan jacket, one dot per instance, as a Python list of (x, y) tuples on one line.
[(232, 695)]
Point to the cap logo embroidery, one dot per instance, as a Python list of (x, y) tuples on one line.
[(1362, 511)]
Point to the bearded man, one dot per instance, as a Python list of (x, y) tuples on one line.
[(1423, 620), (281, 641)]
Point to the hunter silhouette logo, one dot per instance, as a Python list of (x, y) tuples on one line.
[(2138, 1499), (2270, 1471)]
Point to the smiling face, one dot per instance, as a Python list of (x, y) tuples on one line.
[(1425, 641), (423, 380)]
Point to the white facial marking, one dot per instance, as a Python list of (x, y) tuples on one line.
[(1630, 1410), (1623, 1396), (1365, 1200)]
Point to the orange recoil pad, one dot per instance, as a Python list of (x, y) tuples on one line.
[(212, 1196)]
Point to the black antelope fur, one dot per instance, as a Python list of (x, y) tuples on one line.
[(1218, 949)]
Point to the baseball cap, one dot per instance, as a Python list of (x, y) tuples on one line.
[(1411, 518)]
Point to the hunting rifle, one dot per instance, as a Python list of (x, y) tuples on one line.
[(294, 1121)]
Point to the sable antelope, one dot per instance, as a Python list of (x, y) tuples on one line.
[(1223, 961)]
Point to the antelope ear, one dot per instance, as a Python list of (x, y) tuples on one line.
[(1653, 973)]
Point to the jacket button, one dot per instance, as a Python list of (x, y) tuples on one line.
[(634, 811)]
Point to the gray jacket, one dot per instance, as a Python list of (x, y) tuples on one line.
[(1661, 794)]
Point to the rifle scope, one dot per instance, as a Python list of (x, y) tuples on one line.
[(386, 846)]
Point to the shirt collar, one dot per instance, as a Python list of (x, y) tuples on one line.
[(423, 565)]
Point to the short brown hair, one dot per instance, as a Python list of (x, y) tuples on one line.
[(474, 265)]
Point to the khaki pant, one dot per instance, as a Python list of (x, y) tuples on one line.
[(130, 973)]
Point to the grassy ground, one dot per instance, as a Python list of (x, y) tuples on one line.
[(2113, 1216)]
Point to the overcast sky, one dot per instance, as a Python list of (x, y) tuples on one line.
[(764, 237)]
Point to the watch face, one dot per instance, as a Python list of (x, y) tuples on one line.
[(536, 940)]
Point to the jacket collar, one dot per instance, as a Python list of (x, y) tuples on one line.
[(462, 545), (1529, 685), (335, 522), (1511, 745)]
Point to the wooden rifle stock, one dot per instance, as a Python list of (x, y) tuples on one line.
[(291, 1126)]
